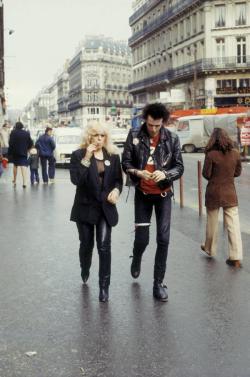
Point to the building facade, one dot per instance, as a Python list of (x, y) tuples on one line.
[(198, 48), (63, 95), (99, 75)]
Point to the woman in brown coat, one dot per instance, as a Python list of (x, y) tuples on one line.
[(222, 163)]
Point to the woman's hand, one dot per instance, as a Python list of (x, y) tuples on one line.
[(90, 151), (113, 196)]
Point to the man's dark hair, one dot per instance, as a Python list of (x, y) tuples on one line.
[(48, 129), (19, 126), (156, 111)]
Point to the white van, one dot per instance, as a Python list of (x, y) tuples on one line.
[(194, 131), (67, 140)]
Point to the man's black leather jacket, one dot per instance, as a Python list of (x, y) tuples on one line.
[(167, 155)]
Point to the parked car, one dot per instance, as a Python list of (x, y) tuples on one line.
[(119, 136), (67, 140), (194, 131)]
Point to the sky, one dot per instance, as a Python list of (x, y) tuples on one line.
[(46, 33)]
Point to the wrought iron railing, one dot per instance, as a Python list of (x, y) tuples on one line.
[(153, 80), (163, 19), (187, 70), (142, 10)]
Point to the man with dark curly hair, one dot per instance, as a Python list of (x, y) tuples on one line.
[(152, 158)]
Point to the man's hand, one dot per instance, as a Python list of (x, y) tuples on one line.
[(158, 176), (144, 174), (113, 196)]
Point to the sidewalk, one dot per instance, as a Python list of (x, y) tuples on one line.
[(203, 331)]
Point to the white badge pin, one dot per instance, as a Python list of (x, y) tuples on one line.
[(135, 141), (107, 162)]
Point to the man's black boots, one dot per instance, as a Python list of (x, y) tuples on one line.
[(160, 291), (136, 266)]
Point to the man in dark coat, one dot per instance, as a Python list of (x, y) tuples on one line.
[(152, 158), (46, 146)]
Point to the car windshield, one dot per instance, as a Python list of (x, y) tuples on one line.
[(68, 139)]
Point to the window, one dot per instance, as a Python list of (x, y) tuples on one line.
[(183, 126), (226, 86), (240, 14), (220, 50), (241, 50), (188, 26), (220, 13), (245, 83), (182, 30), (194, 23)]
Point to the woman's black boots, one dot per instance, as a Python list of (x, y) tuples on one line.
[(104, 275), (85, 263), (104, 290)]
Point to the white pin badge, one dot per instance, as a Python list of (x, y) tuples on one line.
[(107, 162), (135, 141)]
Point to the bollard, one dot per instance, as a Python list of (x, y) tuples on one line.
[(199, 188), (181, 193)]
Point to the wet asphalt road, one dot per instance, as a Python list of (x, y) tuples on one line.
[(203, 331)]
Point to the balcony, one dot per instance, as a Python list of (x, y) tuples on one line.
[(74, 105), (143, 10), (166, 17), (187, 71), (149, 81)]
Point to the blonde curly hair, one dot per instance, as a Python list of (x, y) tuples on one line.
[(95, 127)]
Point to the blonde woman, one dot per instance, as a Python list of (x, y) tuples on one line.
[(96, 171)]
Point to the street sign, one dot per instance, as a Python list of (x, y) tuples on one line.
[(245, 132)]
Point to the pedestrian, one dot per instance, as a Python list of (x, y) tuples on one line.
[(33, 161), (4, 139), (46, 146), (96, 171), (222, 163), (152, 157), (19, 144)]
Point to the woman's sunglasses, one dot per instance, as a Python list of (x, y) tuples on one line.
[(96, 135)]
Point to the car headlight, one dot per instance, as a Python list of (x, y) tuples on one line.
[(62, 155)]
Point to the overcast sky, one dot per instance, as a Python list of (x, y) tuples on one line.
[(47, 32)]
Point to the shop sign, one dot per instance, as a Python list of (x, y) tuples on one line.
[(245, 132), (209, 111)]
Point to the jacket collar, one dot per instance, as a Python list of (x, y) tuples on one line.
[(143, 133)]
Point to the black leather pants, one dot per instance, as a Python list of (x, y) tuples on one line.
[(103, 241), (144, 205)]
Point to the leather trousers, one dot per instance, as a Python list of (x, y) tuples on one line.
[(144, 205), (103, 242)]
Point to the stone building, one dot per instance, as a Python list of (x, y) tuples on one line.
[(99, 75), (198, 48)]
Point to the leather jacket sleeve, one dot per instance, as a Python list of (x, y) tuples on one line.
[(177, 167), (127, 157), (118, 172)]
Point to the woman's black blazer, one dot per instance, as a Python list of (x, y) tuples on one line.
[(90, 198)]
